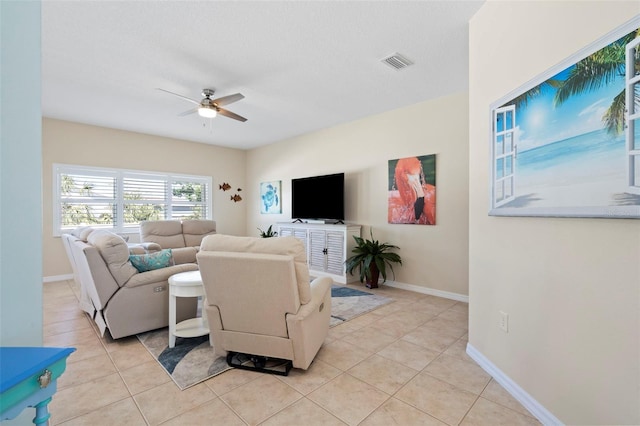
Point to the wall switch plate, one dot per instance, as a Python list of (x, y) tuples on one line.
[(504, 321)]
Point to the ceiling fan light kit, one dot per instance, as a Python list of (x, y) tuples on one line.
[(209, 108), (207, 112)]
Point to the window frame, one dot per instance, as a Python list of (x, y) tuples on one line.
[(119, 175)]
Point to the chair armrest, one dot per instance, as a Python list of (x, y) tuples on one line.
[(319, 288), (159, 275), (143, 248), (184, 255), (309, 327)]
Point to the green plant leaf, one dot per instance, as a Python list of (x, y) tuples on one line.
[(371, 251), (268, 233)]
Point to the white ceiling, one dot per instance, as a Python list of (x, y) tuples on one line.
[(301, 65)]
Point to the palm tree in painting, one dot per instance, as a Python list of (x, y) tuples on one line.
[(591, 73), (523, 99), (597, 70)]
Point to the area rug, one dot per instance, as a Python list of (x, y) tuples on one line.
[(348, 303), (193, 360)]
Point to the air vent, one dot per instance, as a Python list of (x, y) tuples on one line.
[(397, 61)]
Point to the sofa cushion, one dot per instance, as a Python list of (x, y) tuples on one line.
[(195, 230), (115, 252), (151, 261), (289, 246), (82, 232), (167, 233)]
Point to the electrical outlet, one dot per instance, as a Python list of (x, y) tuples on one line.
[(504, 321)]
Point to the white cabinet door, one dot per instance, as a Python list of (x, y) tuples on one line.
[(335, 252), (317, 256), (326, 251), (285, 232), (300, 234)]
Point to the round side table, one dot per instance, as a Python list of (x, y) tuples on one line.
[(186, 284)]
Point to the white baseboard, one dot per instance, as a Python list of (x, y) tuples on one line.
[(427, 290), (54, 278), (542, 414)]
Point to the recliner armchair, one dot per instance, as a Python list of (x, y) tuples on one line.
[(259, 300)]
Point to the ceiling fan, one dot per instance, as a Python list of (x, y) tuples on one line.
[(208, 107)]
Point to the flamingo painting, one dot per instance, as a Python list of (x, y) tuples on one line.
[(412, 192)]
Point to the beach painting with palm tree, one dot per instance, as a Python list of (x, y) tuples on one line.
[(570, 144)]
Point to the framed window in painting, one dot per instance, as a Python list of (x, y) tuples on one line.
[(568, 142)]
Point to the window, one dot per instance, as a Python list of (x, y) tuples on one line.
[(120, 199)]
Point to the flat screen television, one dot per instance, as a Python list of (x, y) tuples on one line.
[(318, 197)]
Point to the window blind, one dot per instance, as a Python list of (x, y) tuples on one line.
[(121, 199)]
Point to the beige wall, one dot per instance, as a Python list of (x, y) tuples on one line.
[(73, 143), (434, 257), (570, 286)]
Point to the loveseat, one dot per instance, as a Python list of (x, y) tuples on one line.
[(114, 293), (182, 237)]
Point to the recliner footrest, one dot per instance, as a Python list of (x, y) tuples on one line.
[(261, 364)]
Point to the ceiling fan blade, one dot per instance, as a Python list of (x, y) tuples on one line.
[(191, 111), (226, 100), (230, 114), (180, 96)]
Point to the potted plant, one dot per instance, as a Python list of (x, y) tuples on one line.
[(372, 258), (268, 233)]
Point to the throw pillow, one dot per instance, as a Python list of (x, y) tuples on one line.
[(149, 262)]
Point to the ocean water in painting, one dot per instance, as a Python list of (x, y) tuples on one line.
[(573, 160), (588, 169)]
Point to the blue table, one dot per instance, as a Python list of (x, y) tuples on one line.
[(28, 378)]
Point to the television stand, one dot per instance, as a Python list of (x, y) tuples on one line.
[(320, 221), (327, 246)]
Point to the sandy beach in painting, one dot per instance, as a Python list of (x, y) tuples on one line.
[(596, 177), (585, 193)]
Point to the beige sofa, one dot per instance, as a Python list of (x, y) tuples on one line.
[(259, 300), (182, 237), (114, 294)]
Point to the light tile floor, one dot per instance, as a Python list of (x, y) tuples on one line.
[(402, 364)]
